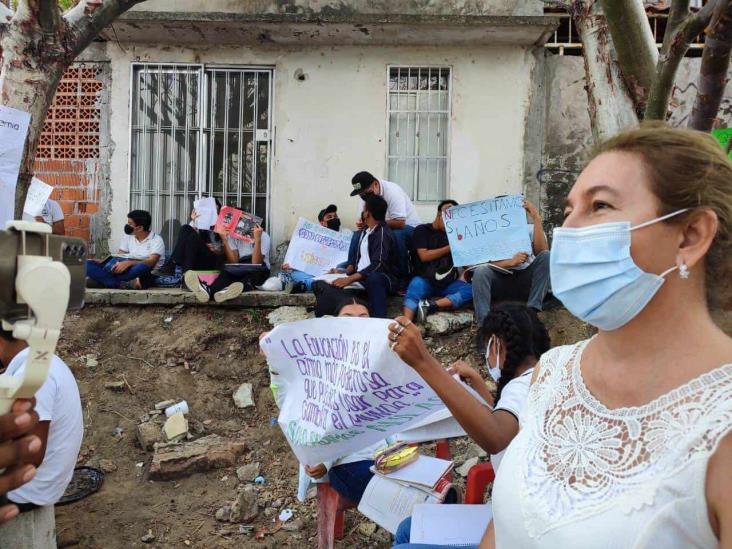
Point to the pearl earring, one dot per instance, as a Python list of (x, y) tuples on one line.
[(683, 271)]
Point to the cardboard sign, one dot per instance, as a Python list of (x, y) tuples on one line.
[(489, 230), (346, 389), (315, 249), (239, 224), (13, 131), (38, 194)]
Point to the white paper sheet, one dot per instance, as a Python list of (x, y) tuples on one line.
[(425, 471), (388, 503), (13, 131), (329, 278), (38, 194), (450, 524), (206, 209), (446, 428)]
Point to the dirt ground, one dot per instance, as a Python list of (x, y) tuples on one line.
[(202, 355)]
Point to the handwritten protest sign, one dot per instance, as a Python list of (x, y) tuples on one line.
[(489, 230), (346, 389), (315, 249), (38, 194), (13, 130)]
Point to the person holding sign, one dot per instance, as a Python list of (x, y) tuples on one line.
[(436, 274), (401, 216), (513, 338), (53, 215), (528, 276)]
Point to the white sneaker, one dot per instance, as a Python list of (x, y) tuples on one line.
[(272, 284), (233, 290), (193, 284)]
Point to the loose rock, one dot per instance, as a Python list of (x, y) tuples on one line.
[(243, 396), (164, 404), (283, 315), (117, 386), (367, 529), (447, 323), (465, 467), (107, 465), (204, 454), (148, 434), (224, 514), (148, 538), (176, 427), (293, 525), (248, 472), (245, 508)]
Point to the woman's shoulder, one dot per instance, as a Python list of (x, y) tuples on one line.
[(556, 359)]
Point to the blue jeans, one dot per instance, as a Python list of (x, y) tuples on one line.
[(458, 292), (401, 540), (350, 479), (104, 275), (404, 243), (378, 287), (298, 276)]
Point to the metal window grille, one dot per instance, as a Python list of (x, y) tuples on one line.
[(418, 125), (197, 131)]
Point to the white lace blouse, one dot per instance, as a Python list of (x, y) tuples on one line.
[(581, 475)]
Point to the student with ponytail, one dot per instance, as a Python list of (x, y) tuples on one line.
[(513, 338)]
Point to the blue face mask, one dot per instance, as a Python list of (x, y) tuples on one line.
[(595, 277)]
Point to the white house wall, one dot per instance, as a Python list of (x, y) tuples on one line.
[(333, 123)]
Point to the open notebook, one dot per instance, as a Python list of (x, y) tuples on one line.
[(449, 524)]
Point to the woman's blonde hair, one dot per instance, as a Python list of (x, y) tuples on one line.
[(687, 169)]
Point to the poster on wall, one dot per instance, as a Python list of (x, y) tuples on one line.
[(13, 131), (488, 230), (315, 249), (344, 388)]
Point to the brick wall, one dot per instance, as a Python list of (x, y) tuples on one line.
[(69, 152)]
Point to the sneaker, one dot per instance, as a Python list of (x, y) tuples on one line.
[(425, 308), (272, 284), (199, 289), (233, 290)]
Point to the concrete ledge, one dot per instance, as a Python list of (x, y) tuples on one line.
[(176, 296)]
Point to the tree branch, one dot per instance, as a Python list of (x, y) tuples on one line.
[(86, 20), (634, 44), (49, 15), (714, 65), (681, 31)]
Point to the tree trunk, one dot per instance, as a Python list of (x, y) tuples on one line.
[(28, 83), (610, 106), (713, 72), (635, 46)]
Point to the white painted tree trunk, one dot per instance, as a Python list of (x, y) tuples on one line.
[(610, 106), (37, 45)]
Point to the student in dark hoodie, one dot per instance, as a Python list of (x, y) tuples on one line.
[(376, 263)]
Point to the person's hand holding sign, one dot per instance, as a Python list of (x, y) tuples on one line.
[(406, 341), (533, 211), (517, 259), (344, 282), (316, 472)]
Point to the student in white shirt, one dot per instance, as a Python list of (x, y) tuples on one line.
[(60, 429), (514, 339), (140, 251), (51, 214), (401, 216)]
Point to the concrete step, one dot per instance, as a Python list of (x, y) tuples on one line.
[(175, 296)]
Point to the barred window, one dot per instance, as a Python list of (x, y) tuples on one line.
[(419, 117)]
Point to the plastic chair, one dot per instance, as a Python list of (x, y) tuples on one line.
[(332, 506), (479, 476)]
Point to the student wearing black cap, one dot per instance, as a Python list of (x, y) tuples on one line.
[(294, 281), (401, 217)]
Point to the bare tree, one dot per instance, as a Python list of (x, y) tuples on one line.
[(38, 43), (624, 73)]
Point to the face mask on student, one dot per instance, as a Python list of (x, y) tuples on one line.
[(129, 229), (334, 224), (494, 371), (595, 277)]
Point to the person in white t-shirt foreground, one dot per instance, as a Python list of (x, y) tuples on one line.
[(140, 251), (51, 214), (60, 429), (514, 339), (401, 216)]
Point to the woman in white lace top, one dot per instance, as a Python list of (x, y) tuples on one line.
[(625, 440)]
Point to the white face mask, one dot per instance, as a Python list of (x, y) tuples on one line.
[(494, 371), (595, 277)]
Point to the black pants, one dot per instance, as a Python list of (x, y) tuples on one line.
[(191, 251), (378, 287), (250, 280), (329, 298)]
